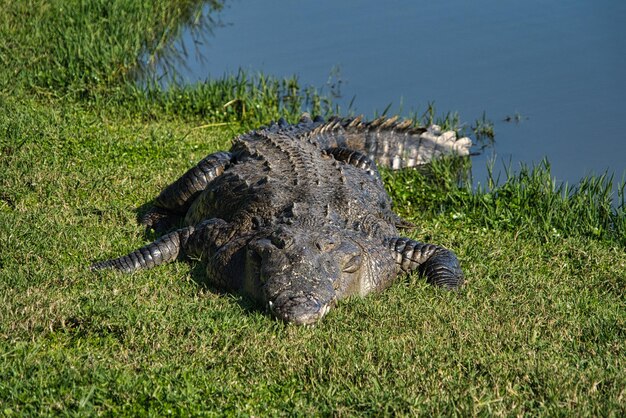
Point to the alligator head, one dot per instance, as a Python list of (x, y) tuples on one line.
[(303, 273)]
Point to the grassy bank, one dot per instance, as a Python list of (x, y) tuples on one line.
[(540, 327)]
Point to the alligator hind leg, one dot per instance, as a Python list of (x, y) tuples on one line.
[(167, 248), (191, 241), (440, 265), (172, 204)]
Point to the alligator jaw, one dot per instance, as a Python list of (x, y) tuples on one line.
[(295, 311)]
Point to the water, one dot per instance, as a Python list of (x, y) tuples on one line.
[(559, 67)]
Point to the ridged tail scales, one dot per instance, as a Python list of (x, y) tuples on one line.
[(355, 158), (439, 265), (176, 198), (391, 143), (191, 241)]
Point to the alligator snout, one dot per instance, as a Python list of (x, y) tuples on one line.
[(300, 310)]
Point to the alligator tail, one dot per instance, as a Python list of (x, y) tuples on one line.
[(390, 142)]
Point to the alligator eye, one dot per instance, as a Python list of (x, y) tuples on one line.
[(353, 264), (281, 240), (254, 262), (325, 244), (277, 241)]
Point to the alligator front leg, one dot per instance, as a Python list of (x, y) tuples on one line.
[(175, 199), (192, 241), (440, 265)]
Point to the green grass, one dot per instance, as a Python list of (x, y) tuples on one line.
[(529, 202), (85, 48), (539, 329)]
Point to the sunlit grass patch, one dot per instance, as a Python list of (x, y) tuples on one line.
[(539, 328), (529, 201)]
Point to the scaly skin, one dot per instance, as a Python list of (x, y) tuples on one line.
[(296, 216)]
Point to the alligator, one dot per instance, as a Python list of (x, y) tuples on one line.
[(296, 217)]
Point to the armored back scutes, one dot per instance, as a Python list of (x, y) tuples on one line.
[(296, 216)]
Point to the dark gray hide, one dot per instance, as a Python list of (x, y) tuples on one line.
[(296, 216)]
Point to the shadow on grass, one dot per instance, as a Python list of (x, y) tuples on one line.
[(197, 269), (199, 276)]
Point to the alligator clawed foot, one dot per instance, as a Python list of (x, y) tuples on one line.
[(443, 269)]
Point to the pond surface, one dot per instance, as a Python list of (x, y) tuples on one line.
[(558, 67)]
